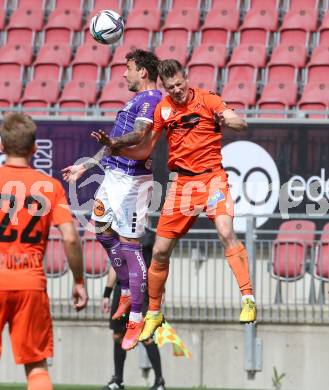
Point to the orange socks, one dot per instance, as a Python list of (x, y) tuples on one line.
[(39, 380), (157, 276), (237, 258)]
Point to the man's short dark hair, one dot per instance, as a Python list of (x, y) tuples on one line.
[(145, 59), (17, 133), (169, 68)]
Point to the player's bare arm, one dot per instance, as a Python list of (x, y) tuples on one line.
[(229, 119), (74, 172), (141, 128), (73, 252), (143, 149)]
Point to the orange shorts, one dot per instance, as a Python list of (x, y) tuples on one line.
[(28, 316), (191, 195)]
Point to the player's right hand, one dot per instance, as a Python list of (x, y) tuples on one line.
[(106, 305), (73, 172)]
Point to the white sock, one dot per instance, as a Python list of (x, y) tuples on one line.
[(251, 297), (154, 312), (125, 292), (135, 317)]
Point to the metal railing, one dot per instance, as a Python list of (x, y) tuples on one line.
[(201, 287)]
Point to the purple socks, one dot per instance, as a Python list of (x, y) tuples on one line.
[(137, 274), (112, 246)]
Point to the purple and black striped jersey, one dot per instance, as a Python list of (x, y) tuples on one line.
[(142, 106)]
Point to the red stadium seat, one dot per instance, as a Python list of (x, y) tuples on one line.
[(249, 54), (289, 252), (257, 25), (301, 4), (77, 94), (50, 62), (99, 5), (224, 3), (180, 4), (13, 58), (245, 72), (179, 25), (214, 54), (40, 93), (261, 4), (171, 50), (142, 4), (219, 24), (114, 95), (23, 24), (318, 67), (10, 92), (94, 256), (55, 259), (16, 53), (64, 4), (285, 61), (321, 266), (240, 95), (140, 25), (277, 96), (297, 26), (61, 25), (204, 72), (315, 97), (89, 60), (35, 4)]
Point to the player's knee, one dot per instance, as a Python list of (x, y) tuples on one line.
[(226, 234), (117, 338), (160, 253)]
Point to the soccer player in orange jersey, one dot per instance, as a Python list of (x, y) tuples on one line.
[(193, 120), (30, 201)]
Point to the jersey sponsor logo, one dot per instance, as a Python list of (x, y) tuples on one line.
[(217, 197), (144, 108), (185, 123), (99, 209), (18, 261), (165, 112)]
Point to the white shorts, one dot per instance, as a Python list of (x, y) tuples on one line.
[(122, 201)]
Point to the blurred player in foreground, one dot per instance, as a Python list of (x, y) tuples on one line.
[(30, 202), (193, 120), (122, 200), (119, 326)]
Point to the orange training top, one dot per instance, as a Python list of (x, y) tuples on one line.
[(193, 136), (30, 201)]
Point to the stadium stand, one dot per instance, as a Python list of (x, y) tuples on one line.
[(290, 250), (262, 42), (240, 95)]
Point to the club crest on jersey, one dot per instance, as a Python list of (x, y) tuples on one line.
[(165, 112)]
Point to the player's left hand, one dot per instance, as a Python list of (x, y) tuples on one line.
[(80, 296), (101, 137)]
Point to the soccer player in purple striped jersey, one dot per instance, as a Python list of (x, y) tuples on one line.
[(122, 200)]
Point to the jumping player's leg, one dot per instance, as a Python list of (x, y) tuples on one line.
[(157, 277), (37, 376), (237, 258)]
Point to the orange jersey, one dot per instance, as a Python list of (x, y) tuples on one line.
[(193, 137), (30, 201)]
